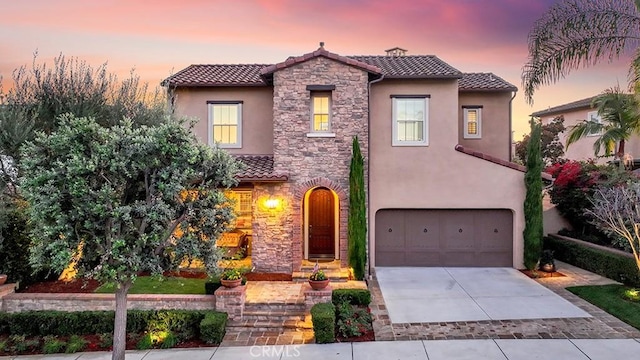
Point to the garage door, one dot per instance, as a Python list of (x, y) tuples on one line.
[(444, 237)]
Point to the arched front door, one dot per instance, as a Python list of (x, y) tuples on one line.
[(321, 225)]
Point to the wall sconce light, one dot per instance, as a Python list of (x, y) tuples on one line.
[(272, 203)]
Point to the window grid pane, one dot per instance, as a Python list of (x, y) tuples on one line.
[(225, 123), (410, 119), (472, 122), (320, 113)]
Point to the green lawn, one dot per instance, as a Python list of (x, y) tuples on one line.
[(168, 285), (610, 299)]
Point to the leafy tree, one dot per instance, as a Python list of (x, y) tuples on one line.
[(579, 33), (617, 210), (620, 119), (111, 200), (551, 146), (533, 201), (357, 213), (41, 93)]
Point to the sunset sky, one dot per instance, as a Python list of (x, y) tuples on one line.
[(160, 37)]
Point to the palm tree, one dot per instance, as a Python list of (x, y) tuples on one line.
[(578, 33), (620, 119)]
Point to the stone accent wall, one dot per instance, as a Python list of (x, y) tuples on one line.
[(18, 302), (271, 248), (320, 161)]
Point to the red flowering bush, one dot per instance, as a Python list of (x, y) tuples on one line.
[(573, 188)]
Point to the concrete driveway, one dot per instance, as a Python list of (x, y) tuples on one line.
[(414, 295)]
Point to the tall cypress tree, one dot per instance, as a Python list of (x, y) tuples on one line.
[(357, 214), (533, 201)]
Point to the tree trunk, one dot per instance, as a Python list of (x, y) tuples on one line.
[(621, 149), (120, 325)]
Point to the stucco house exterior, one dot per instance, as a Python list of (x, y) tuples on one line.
[(573, 113), (440, 191)]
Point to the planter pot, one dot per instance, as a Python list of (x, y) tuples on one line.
[(318, 284), (231, 283), (3, 279), (548, 268)]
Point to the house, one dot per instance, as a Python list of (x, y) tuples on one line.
[(573, 113), (440, 191)]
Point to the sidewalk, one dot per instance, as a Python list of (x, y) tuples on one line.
[(499, 349)]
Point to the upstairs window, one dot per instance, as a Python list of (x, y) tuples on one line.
[(225, 124), (472, 123), (410, 120), (594, 117), (321, 112)]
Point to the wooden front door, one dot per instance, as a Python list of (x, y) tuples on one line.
[(321, 226)]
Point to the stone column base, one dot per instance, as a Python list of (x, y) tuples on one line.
[(312, 297), (231, 301)]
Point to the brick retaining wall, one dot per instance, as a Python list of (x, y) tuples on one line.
[(18, 302)]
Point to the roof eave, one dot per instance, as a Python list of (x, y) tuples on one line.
[(212, 84), (488, 90)]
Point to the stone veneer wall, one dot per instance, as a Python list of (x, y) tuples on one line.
[(271, 241), (323, 160)]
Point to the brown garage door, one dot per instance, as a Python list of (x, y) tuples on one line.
[(444, 237)]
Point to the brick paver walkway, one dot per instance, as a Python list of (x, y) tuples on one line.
[(275, 315), (600, 326)]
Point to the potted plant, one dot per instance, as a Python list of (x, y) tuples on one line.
[(231, 278), (547, 264), (318, 279), (3, 279)]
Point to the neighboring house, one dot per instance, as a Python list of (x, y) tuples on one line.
[(435, 142), (573, 113)]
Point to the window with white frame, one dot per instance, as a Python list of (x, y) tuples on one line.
[(320, 112), (594, 117), (410, 120), (225, 124), (472, 122)]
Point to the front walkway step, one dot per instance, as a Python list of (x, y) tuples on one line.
[(337, 275)]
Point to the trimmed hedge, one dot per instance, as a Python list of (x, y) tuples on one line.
[(352, 296), (608, 264), (212, 327), (185, 323), (323, 316)]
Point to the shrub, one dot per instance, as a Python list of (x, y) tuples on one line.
[(75, 344), (533, 201), (608, 264), (52, 345), (212, 327), (574, 185), (106, 340), (211, 286), (352, 296), (170, 340), (145, 343), (14, 241), (351, 321), (31, 323), (323, 316)]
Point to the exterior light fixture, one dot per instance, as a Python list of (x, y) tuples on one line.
[(272, 203)]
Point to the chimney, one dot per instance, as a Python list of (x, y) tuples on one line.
[(396, 51)]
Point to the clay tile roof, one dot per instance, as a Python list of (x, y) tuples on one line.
[(411, 67), (579, 104), (217, 75), (484, 82), (498, 161), (324, 53), (259, 168)]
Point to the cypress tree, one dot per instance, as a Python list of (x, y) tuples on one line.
[(533, 201), (357, 214)]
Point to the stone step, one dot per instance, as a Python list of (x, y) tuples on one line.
[(339, 275), (248, 324), (273, 307), (274, 315), (323, 266)]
